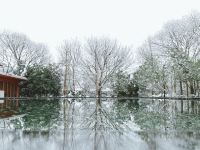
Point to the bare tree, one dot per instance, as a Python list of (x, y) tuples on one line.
[(19, 52), (180, 41), (177, 51), (103, 58), (70, 55)]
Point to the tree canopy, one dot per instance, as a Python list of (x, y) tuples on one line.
[(42, 81)]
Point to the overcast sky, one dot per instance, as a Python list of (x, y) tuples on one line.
[(129, 21)]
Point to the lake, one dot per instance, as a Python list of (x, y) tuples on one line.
[(58, 124)]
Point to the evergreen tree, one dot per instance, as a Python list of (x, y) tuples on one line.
[(42, 81), (124, 86)]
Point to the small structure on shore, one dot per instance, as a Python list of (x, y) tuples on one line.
[(9, 85)]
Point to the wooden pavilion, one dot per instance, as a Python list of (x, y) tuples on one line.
[(10, 84)]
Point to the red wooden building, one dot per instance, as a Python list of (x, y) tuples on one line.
[(10, 84)]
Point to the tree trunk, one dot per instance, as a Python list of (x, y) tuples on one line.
[(164, 87), (98, 101), (98, 93), (187, 92), (65, 82), (181, 88), (73, 80), (194, 85), (198, 88), (174, 86), (191, 88)]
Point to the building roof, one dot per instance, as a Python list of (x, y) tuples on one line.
[(12, 76)]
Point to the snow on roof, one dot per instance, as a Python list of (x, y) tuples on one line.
[(13, 76)]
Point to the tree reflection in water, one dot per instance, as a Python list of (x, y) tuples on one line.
[(101, 124), (115, 124), (68, 120), (92, 123), (170, 124)]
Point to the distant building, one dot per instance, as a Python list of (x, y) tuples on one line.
[(9, 85)]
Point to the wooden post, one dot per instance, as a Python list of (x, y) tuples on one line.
[(10, 89), (17, 91), (3, 88), (7, 91)]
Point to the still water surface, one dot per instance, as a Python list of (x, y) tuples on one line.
[(143, 124)]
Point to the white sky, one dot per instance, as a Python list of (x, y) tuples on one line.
[(52, 21)]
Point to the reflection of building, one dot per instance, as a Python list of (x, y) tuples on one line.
[(10, 84), (8, 107)]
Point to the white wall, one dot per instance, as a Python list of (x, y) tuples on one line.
[(1, 94)]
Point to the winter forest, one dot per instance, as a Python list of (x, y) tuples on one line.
[(167, 64)]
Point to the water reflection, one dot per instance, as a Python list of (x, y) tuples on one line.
[(8, 108), (91, 126), (68, 124)]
